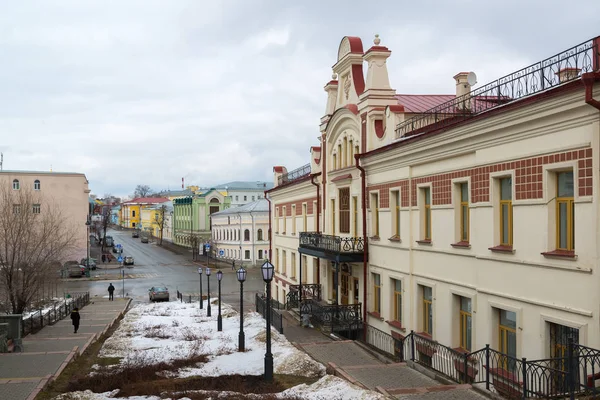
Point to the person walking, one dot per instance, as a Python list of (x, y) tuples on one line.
[(75, 317), (103, 258), (111, 290)]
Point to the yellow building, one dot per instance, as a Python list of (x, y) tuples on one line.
[(132, 212)]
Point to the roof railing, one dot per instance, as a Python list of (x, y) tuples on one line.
[(543, 75), (294, 175)]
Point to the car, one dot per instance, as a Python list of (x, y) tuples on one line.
[(158, 293), (117, 249), (93, 265), (135, 234), (73, 269), (144, 239), (128, 260), (109, 241)]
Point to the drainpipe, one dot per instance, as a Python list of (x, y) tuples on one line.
[(588, 80), (317, 218), (363, 188), (269, 234)]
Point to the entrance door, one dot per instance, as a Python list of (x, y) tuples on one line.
[(344, 288)]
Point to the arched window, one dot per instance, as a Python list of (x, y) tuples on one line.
[(246, 235), (37, 185), (259, 235), (16, 184)]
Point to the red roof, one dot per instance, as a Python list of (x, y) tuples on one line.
[(419, 103), (147, 200)]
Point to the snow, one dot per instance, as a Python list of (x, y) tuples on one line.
[(53, 303), (161, 332)]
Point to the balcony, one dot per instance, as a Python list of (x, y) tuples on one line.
[(337, 248)]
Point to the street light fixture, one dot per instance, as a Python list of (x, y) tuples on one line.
[(267, 270), (219, 319), (200, 274), (208, 292), (241, 276)]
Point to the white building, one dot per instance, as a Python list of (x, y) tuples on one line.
[(241, 233), (242, 192)]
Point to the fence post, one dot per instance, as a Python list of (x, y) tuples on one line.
[(571, 371), (412, 345), (487, 367), (524, 360)]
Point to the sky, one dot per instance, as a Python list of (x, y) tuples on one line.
[(149, 91)]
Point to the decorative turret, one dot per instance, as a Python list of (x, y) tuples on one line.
[(349, 69), (332, 91), (377, 74)]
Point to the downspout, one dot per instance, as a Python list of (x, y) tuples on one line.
[(317, 218), (269, 235), (363, 188), (588, 80)]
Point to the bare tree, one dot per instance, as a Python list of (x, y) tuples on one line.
[(142, 191), (34, 238), (160, 221)]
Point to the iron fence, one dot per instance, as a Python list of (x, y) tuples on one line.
[(332, 244), (309, 291), (543, 75), (294, 175), (50, 315), (276, 316)]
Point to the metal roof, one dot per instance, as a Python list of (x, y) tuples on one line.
[(261, 205), (419, 103)]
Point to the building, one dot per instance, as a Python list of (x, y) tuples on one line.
[(153, 217), (67, 191), (176, 194), (241, 192), (115, 212), (470, 218), (191, 216), (240, 233), (131, 211)]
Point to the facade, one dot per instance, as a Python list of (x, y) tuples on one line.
[(131, 211), (67, 191), (242, 192), (151, 219), (191, 216), (469, 218), (241, 233)]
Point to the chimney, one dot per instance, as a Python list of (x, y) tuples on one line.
[(463, 88), (568, 74)]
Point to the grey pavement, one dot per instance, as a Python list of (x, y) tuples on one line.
[(46, 353)]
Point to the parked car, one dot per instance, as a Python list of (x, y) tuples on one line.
[(128, 260), (92, 263), (109, 241), (73, 269), (144, 239), (135, 234), (158, 293), (118, 249)]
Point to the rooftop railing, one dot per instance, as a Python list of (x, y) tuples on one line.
[(294, 175), (543, 75), (332, 244)]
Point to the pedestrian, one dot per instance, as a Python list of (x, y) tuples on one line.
[(103, 258), (75, 317), (111, 290), (233, 265)]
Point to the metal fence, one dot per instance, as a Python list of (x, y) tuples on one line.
[(49, 316), (572, 376), (276, 316), (294, 175)]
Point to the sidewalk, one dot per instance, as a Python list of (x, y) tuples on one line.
[(46, 353)]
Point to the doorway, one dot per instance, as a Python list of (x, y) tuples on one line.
[(345, 286)]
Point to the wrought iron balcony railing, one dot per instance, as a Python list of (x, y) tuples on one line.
[(329, 243), (294, 175), (543, 75)]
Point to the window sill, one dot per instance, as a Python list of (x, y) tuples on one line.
[(425, 335), (561, 254), (375, 315), (395, 238), (461, 350), (375, 238), (425, 242), (397, 325), (461, 245), (502, 249)]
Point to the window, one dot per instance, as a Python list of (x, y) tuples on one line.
[(237, 198), (559, 342), (427, 310), (396, 214), (259, 235), (247, 254), (333, 217), (16, 209), (344, 196), (339, 157), (355, 216), (345, 147), (293, 219), (506, 234), (284, 219), (37, 185), (377, 293), (36, 209), (397, 285), (16, 184), (246, 235), (356, 150), (276, 260), (375, 213), (565, 211), (464, 212), (283, 262), (426, 198), (304, 217), (293, 258), (245, 198), (304, 272), (260, 254), (133, 213), (334, 161), (277, 220), (507, 334), (465, 323)]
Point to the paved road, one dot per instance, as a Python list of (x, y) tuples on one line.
[(155, 265)]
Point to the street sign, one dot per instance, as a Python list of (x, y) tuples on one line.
[(120, 259), (207, 246), (221, 252)]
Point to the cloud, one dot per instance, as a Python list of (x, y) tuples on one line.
[(146, 91)]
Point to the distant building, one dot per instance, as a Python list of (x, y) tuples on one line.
[(176, 194), (151, 218), (242, 192), (131, 211), (241, 233)]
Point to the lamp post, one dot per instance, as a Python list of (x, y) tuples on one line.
[(200, 274), (208, 291), (267, 273), (219, 319), (87, 260), (241, 276)]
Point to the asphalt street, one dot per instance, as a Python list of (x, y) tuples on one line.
[(156, 266)]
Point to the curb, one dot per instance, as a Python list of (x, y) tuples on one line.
[(40, 387)]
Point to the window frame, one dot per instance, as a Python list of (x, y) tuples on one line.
[(465, 315), (397, 298), (37, 185), (333, 221), (376, 293), (509, 207), (464, 234), (36, 208), (425, 199), (16, 184), (374, 208), (355, 216), (570, 214), (395, 205), (427, 305), (304, 217)]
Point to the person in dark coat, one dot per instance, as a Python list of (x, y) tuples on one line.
[(75, 317), (111, 290), (103, 258)]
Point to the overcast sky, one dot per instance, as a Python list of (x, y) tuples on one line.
[(147, 92)]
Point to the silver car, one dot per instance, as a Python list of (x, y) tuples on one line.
[(158, 293)]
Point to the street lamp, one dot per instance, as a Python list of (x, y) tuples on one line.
[(208, 291), (200, 274), (267, 273), (219, 319), (87, 260), (241, 276)]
